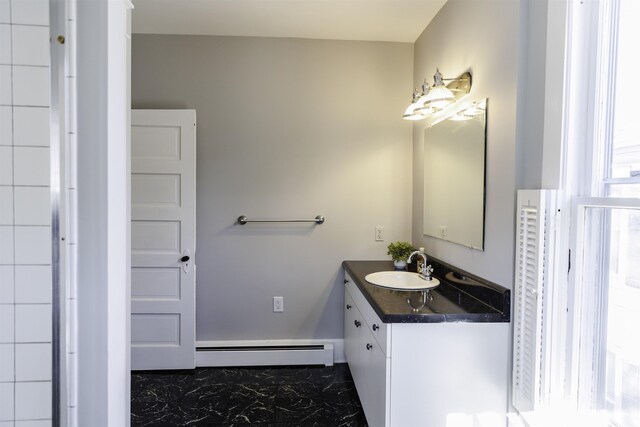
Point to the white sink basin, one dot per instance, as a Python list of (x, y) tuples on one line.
[(402, 280)]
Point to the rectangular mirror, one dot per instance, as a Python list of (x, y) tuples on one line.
[(454, 177)]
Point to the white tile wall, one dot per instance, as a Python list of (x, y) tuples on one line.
[(30, 12), (32, 245), (6, 401), (5, 85), (6, 244), (5, 44), (6, 126), (33, 423), (25, 224), (6, 205), (32, 284), (31, 126), (32, 205), (31, 166), (30, 45), (5, 11), (7, 294), (6, 165), (30, 86), (32, 400), (7, 363), (29, 321), (7, 322), (33, 362)]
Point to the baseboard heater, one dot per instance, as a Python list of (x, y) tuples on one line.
[(264, 355)]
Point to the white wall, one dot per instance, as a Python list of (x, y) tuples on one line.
[(25, 214), (482, 37), (287, 128)]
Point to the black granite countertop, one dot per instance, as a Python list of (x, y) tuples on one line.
[(460, 297)]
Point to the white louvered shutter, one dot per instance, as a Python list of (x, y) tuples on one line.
[(529, 298)]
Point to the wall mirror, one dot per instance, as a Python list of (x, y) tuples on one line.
[(454, 177)]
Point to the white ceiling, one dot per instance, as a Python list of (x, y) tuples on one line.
[(375, 20)]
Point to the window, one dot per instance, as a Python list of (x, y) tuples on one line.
[(607, 350), (603, 364)]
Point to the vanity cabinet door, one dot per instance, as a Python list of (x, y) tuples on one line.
[(351, 333), (373, 394), (367, 361)]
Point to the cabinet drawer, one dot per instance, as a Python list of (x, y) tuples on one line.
[(380, 331)]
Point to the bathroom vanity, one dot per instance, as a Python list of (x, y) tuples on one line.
[(434, 359)]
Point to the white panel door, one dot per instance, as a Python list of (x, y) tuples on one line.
[(163, 191)]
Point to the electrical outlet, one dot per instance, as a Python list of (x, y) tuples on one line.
[(278, 304), (379, 233), (442, 230)]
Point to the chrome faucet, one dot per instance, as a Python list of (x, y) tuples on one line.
[(426, 269)]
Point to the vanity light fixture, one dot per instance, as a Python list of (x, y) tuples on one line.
[(439, 95), (417, 110), (413, 111), (434, 98)]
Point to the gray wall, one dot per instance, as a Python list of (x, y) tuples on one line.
[(483, 37), (286, 128), (531, 93)]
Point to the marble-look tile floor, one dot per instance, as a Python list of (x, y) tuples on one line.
[(270, 396)]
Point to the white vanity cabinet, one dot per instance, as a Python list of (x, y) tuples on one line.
[(368, 363), (425, 374)]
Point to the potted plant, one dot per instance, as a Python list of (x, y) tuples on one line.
[(399, 252)]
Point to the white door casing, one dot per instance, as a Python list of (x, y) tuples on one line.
[(163, 171)]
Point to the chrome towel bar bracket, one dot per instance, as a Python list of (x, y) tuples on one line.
[(242, 220)]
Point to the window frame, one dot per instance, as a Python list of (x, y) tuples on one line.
[(591, 49), (584, 141)]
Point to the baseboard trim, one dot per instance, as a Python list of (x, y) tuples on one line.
[(269, 353)]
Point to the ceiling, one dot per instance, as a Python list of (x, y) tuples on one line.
[(373, 20)]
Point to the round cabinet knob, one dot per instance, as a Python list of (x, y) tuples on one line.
[(346, 281), (348, 307), (375, 327), (185, 258), (357, 323), (369, 346)]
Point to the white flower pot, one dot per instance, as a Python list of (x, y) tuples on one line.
[(400, 265)]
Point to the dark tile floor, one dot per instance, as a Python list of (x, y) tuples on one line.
[(278, 396)]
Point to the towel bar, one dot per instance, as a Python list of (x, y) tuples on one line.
[(242, 220)]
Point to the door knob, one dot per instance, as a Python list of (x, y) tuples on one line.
[(186, 260)]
